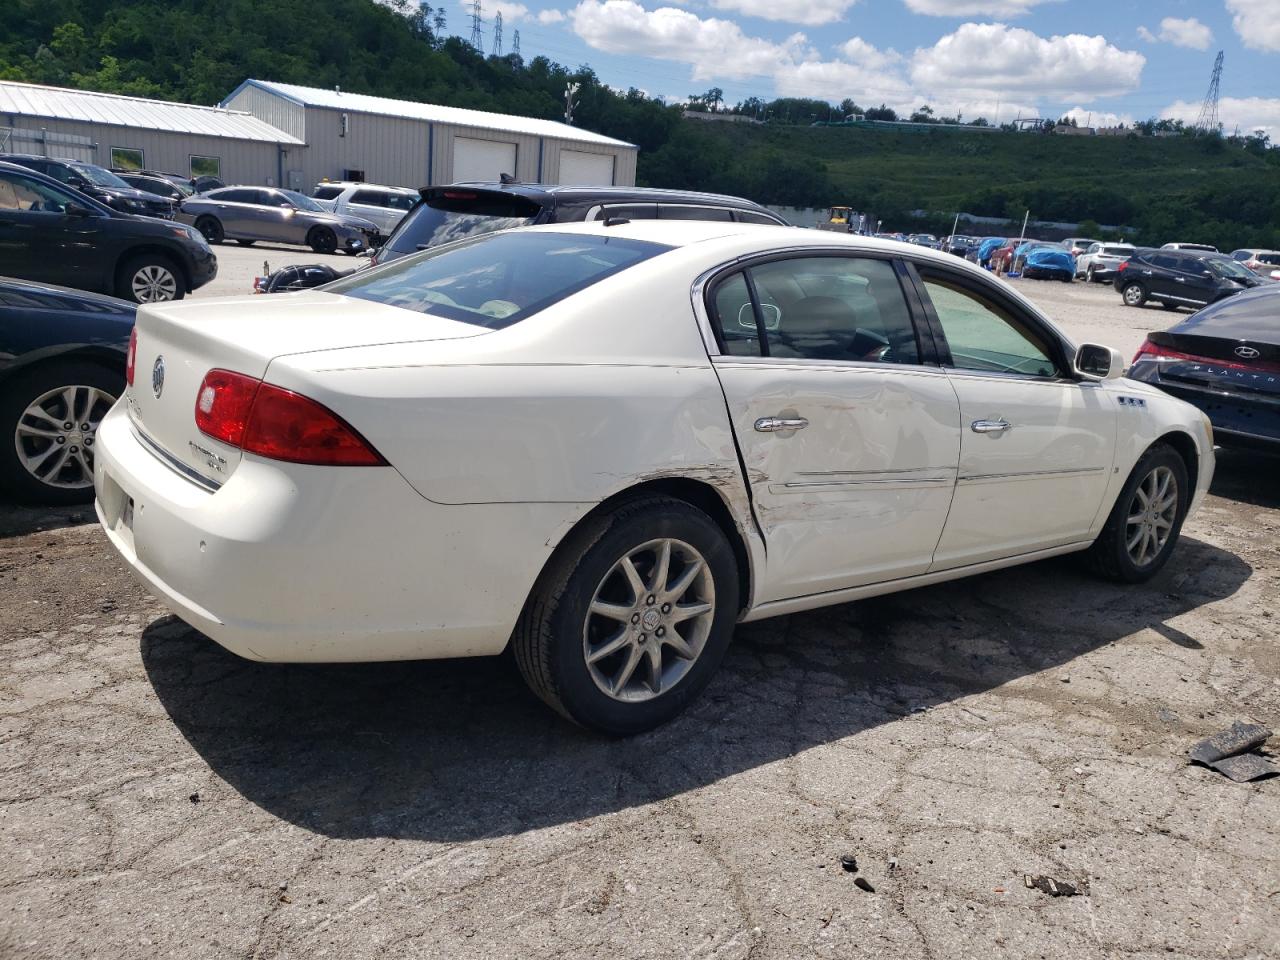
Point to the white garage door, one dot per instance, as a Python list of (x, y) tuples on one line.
[(586, 169), (482, 159)]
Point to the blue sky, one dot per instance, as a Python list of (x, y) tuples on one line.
[(1115, 61)]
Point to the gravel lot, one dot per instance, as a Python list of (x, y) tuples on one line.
[(162, 798)]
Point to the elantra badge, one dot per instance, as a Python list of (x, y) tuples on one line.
[(1248, 353), (157, 377)]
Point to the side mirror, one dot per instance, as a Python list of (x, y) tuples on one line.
[(77, 210), (1096, 362)]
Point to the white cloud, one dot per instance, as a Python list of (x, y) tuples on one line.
[(1247, 113), (1186, 33), (1098, 118), (996, 9), (550, 16), (810, 13), (856, 50), (1147, 35), (1257, 22), (993, 57), (511, 12)]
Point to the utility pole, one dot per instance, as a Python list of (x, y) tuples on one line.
[(477, 39), (497, 34), (570, 90)]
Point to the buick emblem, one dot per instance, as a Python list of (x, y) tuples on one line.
[(1248, 353), (157, 377)]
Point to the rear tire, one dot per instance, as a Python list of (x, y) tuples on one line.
[(246, 243), (641, 661), (322, 240), (1088, 275), (211, 228), (27, 456), (150, 278), (1129, 548), (1134, 294)]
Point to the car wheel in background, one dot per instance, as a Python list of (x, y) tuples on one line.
[(211, 227), (246, 243), (149, 278), (322, 240), (1146, 520), (49, 419), (1169, 306), (1088, 274), (632, 616), (1134, 294)]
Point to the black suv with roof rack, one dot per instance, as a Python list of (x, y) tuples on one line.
[(462, 209), (1181, 278)]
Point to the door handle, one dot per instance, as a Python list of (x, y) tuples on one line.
[(1181, 279), (990, 426), (1146, 273), (775, 424)]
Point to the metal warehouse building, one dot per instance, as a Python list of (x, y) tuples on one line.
[(352, 136), (131, 132)]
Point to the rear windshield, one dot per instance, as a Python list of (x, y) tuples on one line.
[(1118, 251), (495, 281), (458, 214)]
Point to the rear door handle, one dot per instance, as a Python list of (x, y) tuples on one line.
[(990, 426), (776, 424)]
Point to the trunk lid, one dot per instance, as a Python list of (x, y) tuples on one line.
[(1221, 363), (178, 343)]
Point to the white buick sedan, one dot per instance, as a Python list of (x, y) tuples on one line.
[(606, 444)]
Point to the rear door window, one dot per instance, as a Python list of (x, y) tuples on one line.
[(746, 216), (736, 317), (496, 281), (370, 198), (326, 193), (629, 211), (458, 214), (671, 211)]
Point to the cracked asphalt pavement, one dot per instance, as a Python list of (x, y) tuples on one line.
[(161, 798)]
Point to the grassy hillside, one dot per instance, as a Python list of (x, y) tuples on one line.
[(1205, 189), (199, 50)]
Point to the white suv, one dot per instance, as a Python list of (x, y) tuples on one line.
[(1100, 261), (385, 206)]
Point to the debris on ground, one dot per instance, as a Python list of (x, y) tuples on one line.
[(1230, 752), (195, 797), (850, 863), (893, 864), (1056, 888), (862, 884)]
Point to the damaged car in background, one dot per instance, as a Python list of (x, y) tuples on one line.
[(249, 214), (605, 444)]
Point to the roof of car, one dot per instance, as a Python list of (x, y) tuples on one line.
[(542, 192), (361, 183)]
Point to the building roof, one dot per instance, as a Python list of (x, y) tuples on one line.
[(430, 112), (59, 103)]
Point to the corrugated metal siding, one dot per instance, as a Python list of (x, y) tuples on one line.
[(389, 150), (442, 161), (624, 170), (243, 161), (56, 103), (272, 109)]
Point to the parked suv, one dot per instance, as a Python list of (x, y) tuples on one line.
[(1265, 263), (450, 213), (1100, 261), (97, 182), (1177, 278), (160, 184), (384, 206), (53, 234)]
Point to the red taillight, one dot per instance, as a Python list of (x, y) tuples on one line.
[(1122, 266), (131, 357), (1153, 351), (276, 423)]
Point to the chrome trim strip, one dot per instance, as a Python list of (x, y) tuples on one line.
[(856, 483), (868, 473), (1029, 474), (169, 460), (807, 363)]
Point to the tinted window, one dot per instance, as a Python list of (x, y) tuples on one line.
[(401, 201), (1165, 260), (30, 196), (1271, 259), (835, 308), (983, 335), (326, 193), (372, 198), (1116, 251), (746, 216), (629, 211), (496, 281), (456, 214), (235, 195), (272, 198), (675, 212), (735, 318)]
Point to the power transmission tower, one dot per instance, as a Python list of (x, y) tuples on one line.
[(439, 21), (477, 39), (515, 44), (497, 34), (570, 89), (1207, 122)]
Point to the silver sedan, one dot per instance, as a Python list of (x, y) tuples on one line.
[(249, 214)]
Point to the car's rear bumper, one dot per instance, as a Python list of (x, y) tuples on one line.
[(294, 563), (1239, 418)]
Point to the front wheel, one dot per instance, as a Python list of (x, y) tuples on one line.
[(150, 278), (211, 229), (1135, 295), (1089, 274), (1145, 522), (322, 240), (631, 618)]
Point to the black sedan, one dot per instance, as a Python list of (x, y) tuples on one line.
[(62, 366), (1225, 359)]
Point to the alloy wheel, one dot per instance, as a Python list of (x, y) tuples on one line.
[(56, 433), (649, 620), (154, 284), (1152, 513)]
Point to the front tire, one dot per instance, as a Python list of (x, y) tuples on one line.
[(150, 278), (211, 228), (631, 618), (1134, 295), (322, 240), (49, 419), (1146, 520)]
